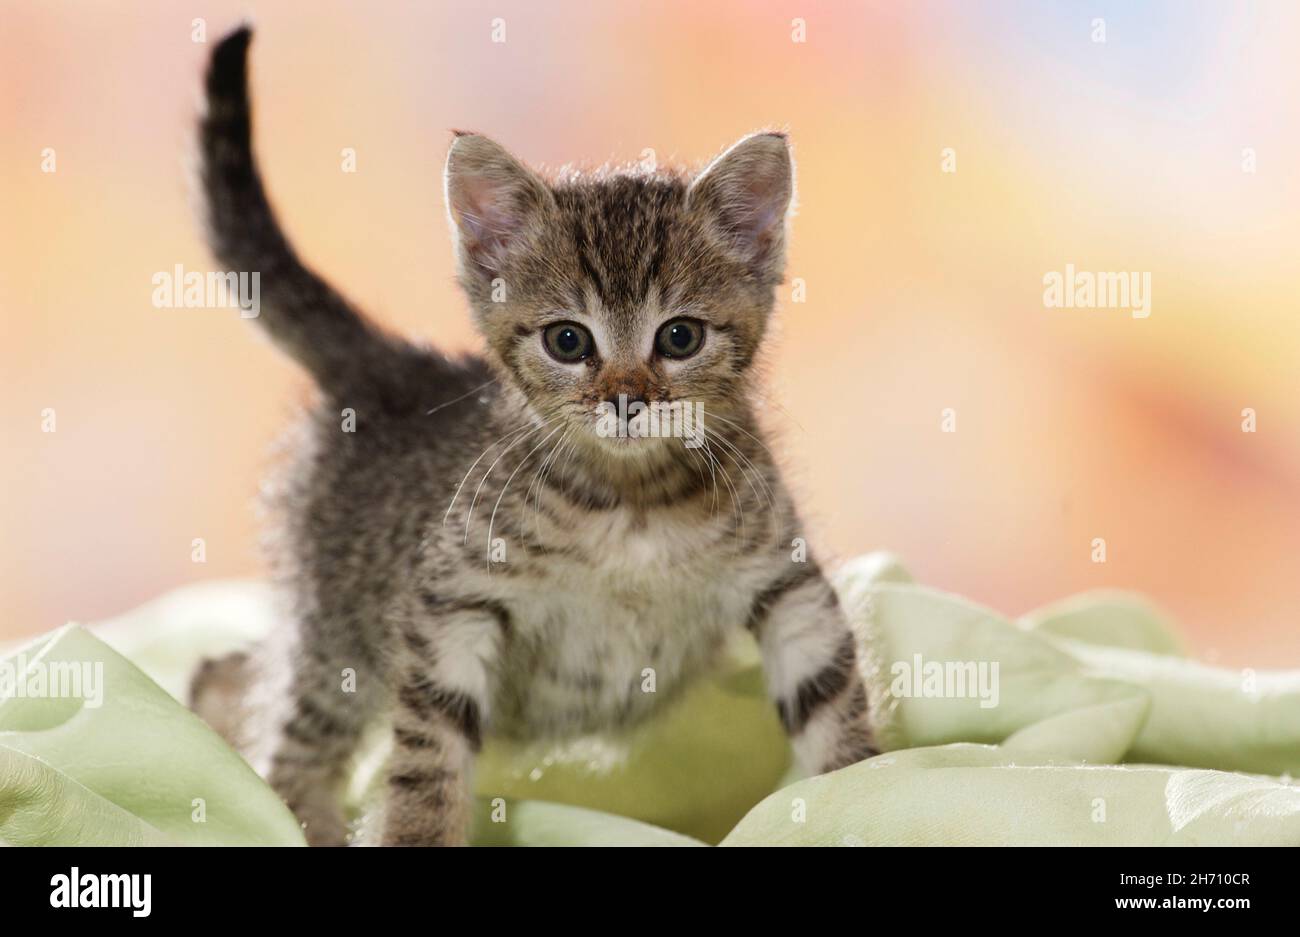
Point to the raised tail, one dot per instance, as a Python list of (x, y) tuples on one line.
[(303, 314)]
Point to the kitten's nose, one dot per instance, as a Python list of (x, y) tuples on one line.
[(612, 400)]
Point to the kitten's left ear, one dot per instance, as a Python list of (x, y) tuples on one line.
[(746, 193), (494, 202)]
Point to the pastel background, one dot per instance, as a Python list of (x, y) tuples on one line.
[(924, 288)]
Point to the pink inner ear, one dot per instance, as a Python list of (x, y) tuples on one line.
[(748, 191), (760, 208), (487, 218), (753, 214)]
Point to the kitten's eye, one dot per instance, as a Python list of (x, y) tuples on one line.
[(567, 342), (680, 338)]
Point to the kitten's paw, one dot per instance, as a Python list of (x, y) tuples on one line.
[(445, 826), (322, 824)]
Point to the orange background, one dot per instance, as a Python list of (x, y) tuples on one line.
[(924, 289)]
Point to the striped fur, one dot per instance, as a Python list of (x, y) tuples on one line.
[(474, 557)]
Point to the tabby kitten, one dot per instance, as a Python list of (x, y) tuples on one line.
[(477, 552)]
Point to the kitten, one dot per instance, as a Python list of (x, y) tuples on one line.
[(478, 552)]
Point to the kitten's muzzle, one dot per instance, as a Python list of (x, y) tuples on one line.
[(628, 400)]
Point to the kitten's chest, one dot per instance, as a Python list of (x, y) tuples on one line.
[(601, 635)]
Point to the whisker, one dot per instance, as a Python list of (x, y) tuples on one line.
[(695, 460), (506, 487), (714, 416), (491, 445), (460, 398), (539, 478), (469, 517), (749, 468), (751, 471), (713, 474), (736, 506)]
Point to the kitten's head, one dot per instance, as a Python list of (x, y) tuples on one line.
[(653, 285)]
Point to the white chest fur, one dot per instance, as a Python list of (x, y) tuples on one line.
[(628, 609)]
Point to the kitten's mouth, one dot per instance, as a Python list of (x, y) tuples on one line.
[(624, 440), (649, 425), (626, 437)]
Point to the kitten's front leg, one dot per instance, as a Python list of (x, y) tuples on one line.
[(810, 656), (441, 707)]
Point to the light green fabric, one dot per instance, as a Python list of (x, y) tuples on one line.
[(1191, 714), (122, 762), (1086, 690), (984, 795), (1067, 711), (538, 823)]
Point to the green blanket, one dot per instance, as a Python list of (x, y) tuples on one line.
[(1060, 728)]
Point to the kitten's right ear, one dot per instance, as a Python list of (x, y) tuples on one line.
[(492, 200)]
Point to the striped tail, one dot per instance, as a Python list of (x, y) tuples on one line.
[(303, 314)]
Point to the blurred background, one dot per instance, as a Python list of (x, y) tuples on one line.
[(924, 288)]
